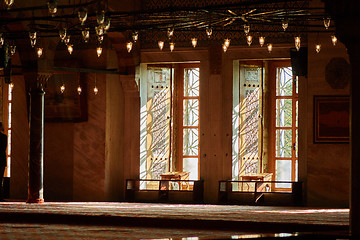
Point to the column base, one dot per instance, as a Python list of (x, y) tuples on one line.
[(37, 200)]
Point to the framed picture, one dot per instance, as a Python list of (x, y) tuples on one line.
[(69, 105), (331, 119)]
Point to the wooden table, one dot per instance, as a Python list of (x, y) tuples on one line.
[(264, 187)]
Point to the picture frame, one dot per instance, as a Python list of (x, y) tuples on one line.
[(69, 106), (331, 119)]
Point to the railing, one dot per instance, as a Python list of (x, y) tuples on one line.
[(135, 188), (230, 191)]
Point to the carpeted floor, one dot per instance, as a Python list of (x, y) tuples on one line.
[(110, 220)]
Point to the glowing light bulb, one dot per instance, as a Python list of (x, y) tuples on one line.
[(70, 48), (249, 39), (227, 42), (99, 30), (100, 17), (161, 45), (32, 35), (318, 48), (100, 39), (82, 15), (62, 34), (62, 88), (12, 50), (98, 51), (285, 24), (52, 5), (79, 90), (67, 39), (224, 47), (85, 34), (269, 47), (39, 52), (172, 46), (135, 36), (96, 90), (327, 22), (297, 43), (208, 31), (106, 24), (194, 42), (129, 46), (2, 40), (11, 85), (33, 42), (9, 3), (334, 39), (261, 41), (246, 29), (170, 32)]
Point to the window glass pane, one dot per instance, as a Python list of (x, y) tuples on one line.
[(296, 170), (191, 112), (283, 173), (9, 143), (191, 82), (284, 81), (191, 143), (297, 143), (296, 84), (191, 165), (283, 112), (283, 143), (297, 113)]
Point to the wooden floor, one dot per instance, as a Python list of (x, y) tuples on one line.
[(179, 219)]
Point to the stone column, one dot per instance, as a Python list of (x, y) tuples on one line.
[(347, 20), (35, 182)]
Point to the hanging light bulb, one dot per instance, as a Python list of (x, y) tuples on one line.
[(246, 29), (224, 47), (318, 48), (161, 45), (227, 42), (9, 3), (285, 24), (99, 51), (79, 90), (100, 39), (334, 39), (172, 46), (106, 24), (135, 36), (39, 52), (194, 42), (32, 34), (70, 48), (261, 41), (12, 49), (170, 32), (269, 47), (11, 85), (100, 17), (297, 43), (85, 34), (327, 22), (2, 40), (62, 88), (96, 90), (129, 46), (82, 15), (52, 5), (67, 39), (62, 34), (208, 31), (249, 39), (99, 30), (33, 42)]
